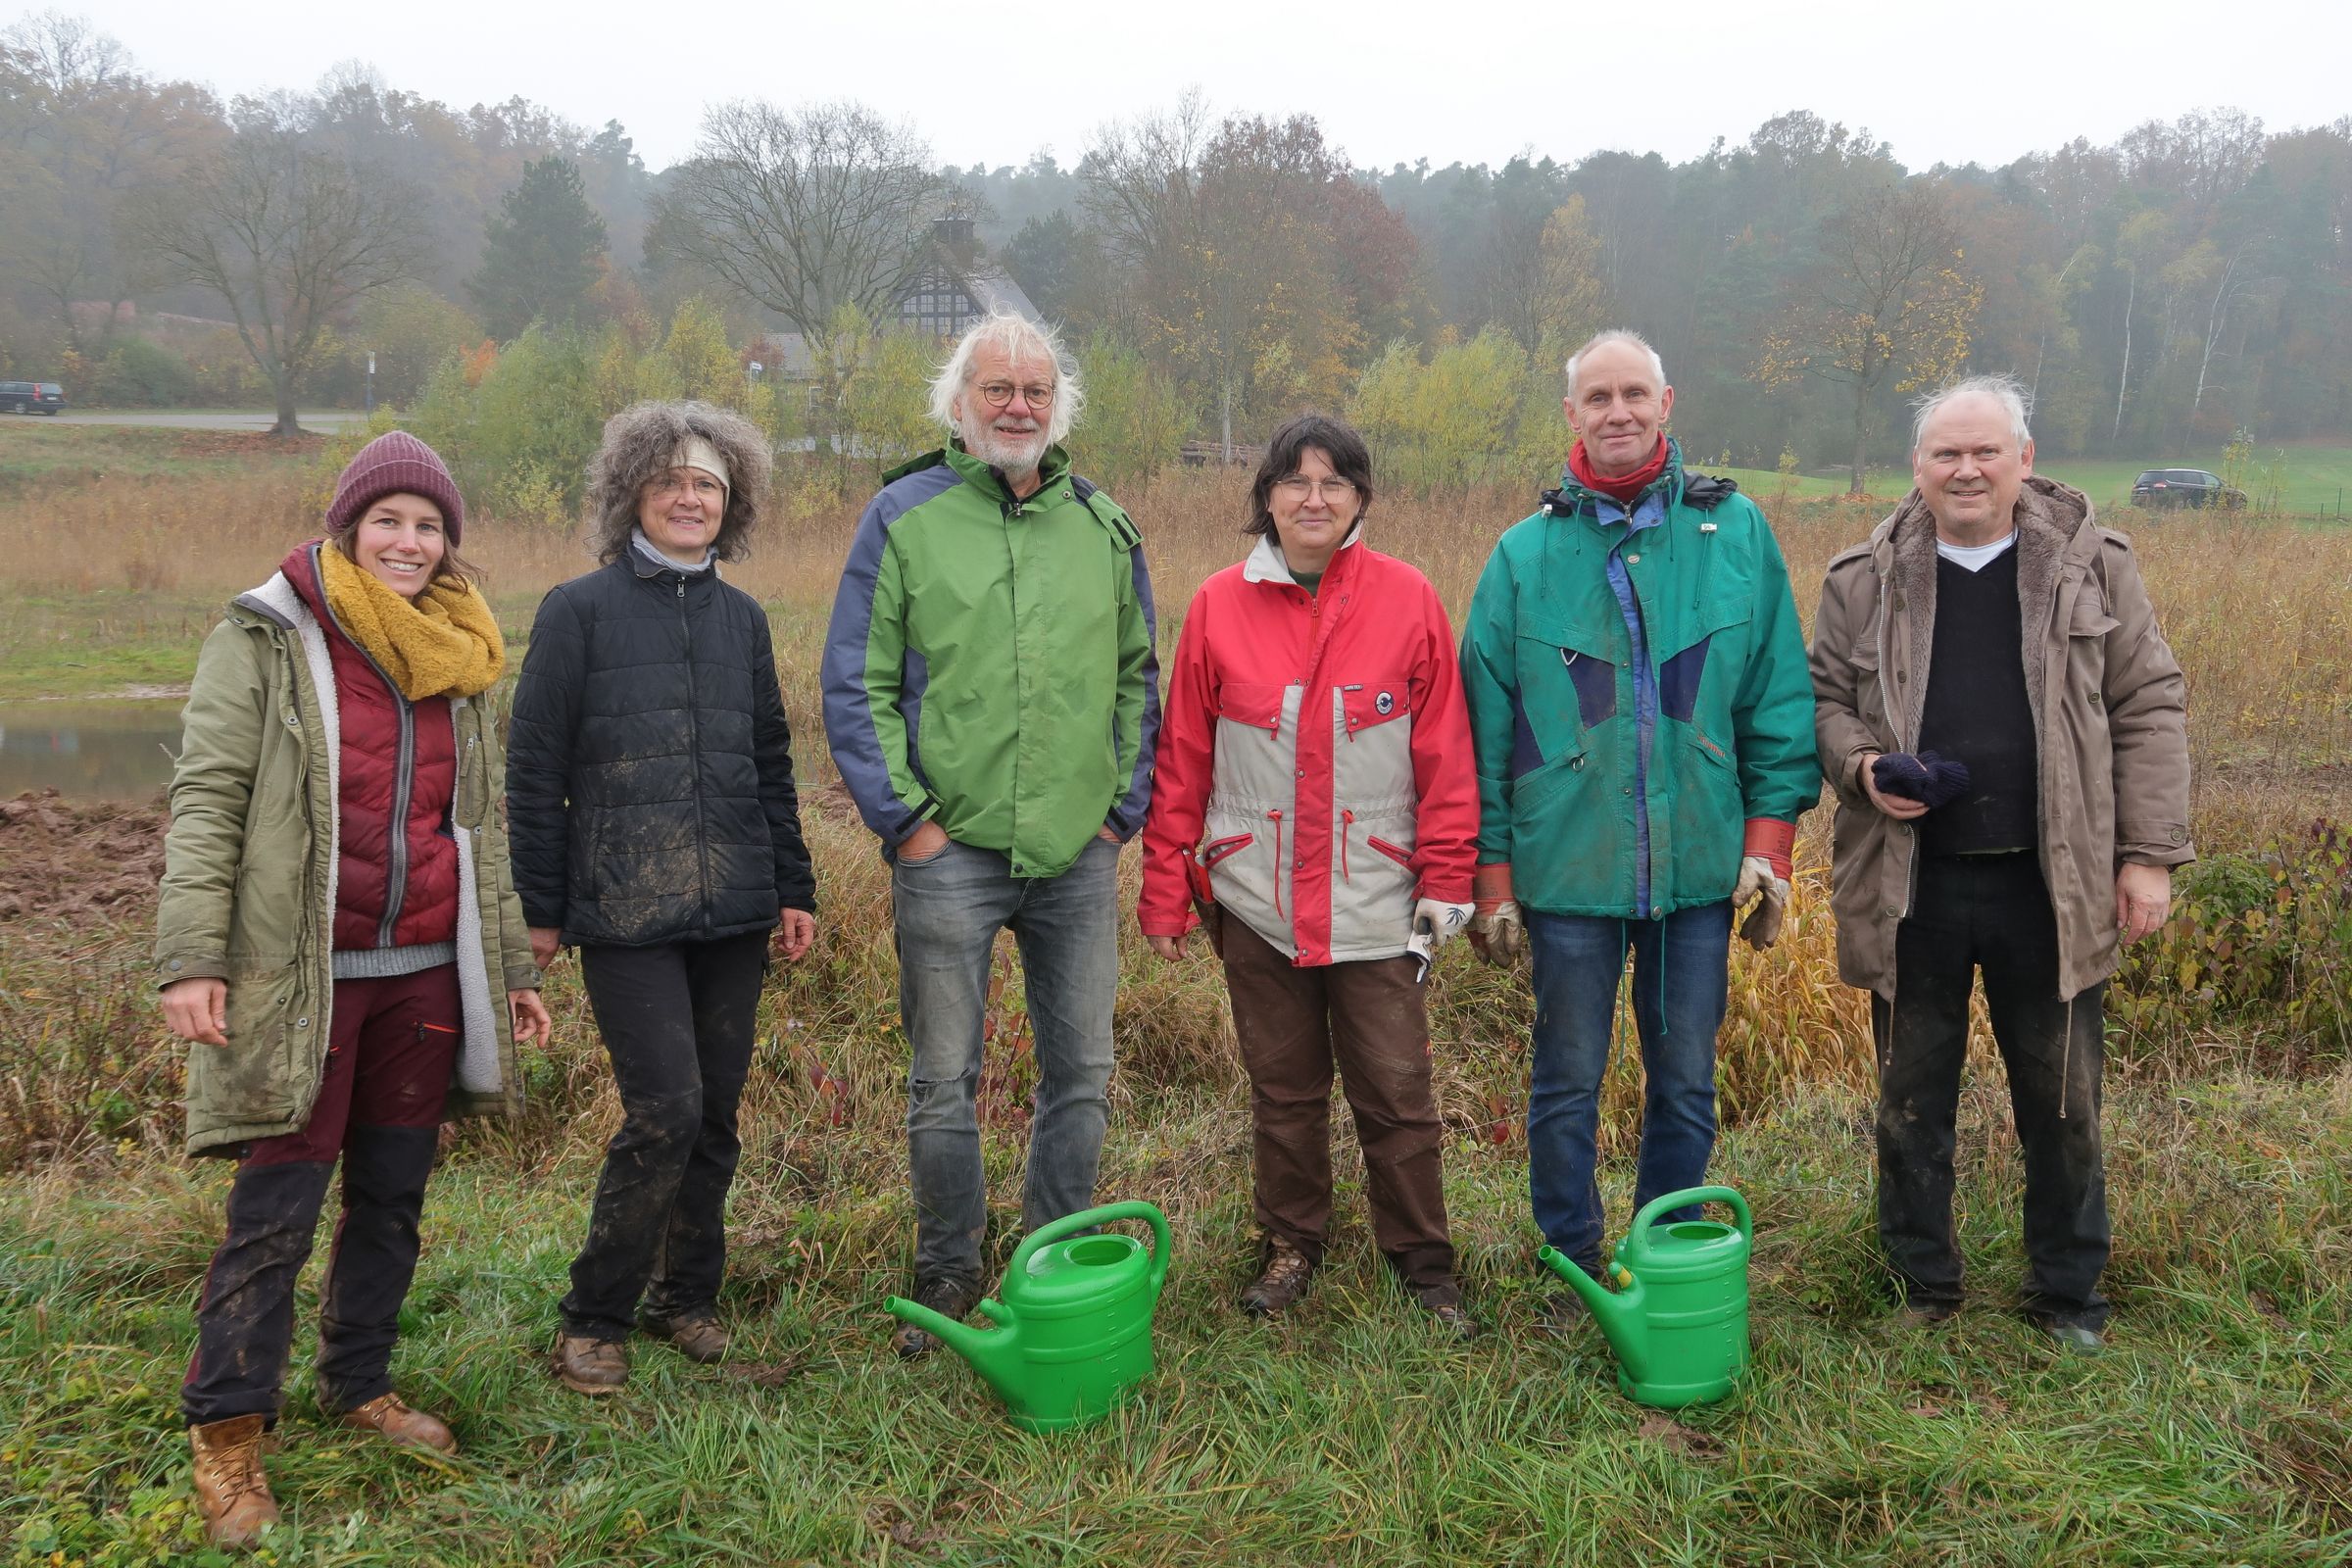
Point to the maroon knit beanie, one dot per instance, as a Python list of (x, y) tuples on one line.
[(393, 462)]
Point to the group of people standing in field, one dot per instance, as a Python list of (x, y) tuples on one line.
[(1610, 761)]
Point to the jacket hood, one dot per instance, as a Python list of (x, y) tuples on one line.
[(1051, 468), (2042, 503), (1572, 497)]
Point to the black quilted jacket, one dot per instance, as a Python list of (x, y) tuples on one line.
[(649, 772)]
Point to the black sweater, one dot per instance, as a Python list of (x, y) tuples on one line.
[(1977, 712)]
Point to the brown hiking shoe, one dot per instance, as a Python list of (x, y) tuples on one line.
[(232, 1491), (951, 1298), (1282, 1282), (590, 1366), (1444, 1305), (390, 1415), (699, 1336)]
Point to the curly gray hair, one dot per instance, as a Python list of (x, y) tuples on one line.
[(1009, 329), (641, 443)]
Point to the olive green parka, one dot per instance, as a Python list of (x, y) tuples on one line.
[(248, 894)]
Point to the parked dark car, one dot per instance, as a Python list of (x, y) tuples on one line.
[(31, 397), (2160, 488)]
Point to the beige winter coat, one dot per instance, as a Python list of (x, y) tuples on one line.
[(2108, 709)]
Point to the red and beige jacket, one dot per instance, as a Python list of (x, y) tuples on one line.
[(1314, 773)]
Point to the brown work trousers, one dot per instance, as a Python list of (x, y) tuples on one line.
[(1368, 1017)]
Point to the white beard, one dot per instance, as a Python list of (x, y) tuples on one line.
[(1006, 453)]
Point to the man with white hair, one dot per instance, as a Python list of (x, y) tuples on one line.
[(991, 697), (2004, 728), (1643, 732)]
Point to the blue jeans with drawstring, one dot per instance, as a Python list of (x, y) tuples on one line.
[(1681, 978)]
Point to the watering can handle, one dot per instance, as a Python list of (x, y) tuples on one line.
[(1694, 1195), (1088, 1219)]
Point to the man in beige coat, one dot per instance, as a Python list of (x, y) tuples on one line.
[(1990, 623)]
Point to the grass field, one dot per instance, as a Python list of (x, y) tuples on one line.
[(2317, 479), (2216, 1432)]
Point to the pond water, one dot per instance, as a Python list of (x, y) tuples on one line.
[(111, 751)]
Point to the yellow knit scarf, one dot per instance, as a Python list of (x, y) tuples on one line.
[(443, 643)]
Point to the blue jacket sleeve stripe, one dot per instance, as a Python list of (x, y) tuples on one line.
[(850, 682)]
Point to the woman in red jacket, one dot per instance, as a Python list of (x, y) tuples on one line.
[(1313, 797)]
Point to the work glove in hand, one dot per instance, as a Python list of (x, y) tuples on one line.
[(1496, 930), (1441, 920), (1765, 872), (1929, 778), (1762, 927)]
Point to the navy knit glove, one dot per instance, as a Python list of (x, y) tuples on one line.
[(1926, 778)]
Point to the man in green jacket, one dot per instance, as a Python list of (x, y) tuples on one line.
[(991, 697), (1643, 720)]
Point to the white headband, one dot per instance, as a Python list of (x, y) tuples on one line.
[(695, 453)]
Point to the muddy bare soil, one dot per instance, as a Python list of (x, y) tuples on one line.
[(70, 861)]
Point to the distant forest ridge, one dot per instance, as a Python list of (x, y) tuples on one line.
[(2189, 283)]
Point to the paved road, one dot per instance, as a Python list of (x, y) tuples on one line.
[(311, 419)]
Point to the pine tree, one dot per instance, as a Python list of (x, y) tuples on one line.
[(544, 250)]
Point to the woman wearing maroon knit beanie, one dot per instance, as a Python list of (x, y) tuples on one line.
[(338, 939)]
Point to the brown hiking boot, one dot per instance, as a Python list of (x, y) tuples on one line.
[(951, 1298), (1282, 1282), (399, 1423), (232, 1491), (699, 1336), (1444, 1305), (590, 1366)]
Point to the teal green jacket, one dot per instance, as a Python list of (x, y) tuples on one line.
[(990, 664), (1637, 691)]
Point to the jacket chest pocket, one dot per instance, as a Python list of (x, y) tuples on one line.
[(473, 766), (1255, 756), (2088, 624), (1372, 747), (1568, 679)]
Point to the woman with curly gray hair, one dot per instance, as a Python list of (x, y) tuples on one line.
[(656, 828)]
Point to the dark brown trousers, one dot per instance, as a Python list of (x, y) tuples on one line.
[(1367, 1017)]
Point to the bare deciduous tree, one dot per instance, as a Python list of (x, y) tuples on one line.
[(287, 237), (1888, 300), (805, 212)]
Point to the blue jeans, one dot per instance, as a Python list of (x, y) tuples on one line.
[(1681, 969), (949, 911)]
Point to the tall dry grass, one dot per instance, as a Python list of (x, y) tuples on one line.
[(2258, 613)]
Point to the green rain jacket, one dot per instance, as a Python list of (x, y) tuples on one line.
[(990, 664), (1638, 690)]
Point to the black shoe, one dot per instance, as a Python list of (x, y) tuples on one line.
[(949, 1299)]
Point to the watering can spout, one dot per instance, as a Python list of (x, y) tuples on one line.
[(992, 1352), (1618, 1312)]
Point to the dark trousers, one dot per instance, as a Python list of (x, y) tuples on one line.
[(1369, 1018), (1991, 913), (677, 1022), (389, 1055)]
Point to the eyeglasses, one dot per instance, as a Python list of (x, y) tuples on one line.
[(679, 480), (1297, 487), (998, 394)]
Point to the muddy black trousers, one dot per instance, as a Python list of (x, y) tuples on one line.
[(1991, 913), (677, 1021), (390, 1049)]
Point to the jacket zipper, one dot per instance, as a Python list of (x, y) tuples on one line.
[(694, 752), (395, 864)]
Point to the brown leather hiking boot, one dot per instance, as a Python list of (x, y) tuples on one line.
[(232, 1491), (1283, 1280), (952, 1299), (401, 1423), (590, 1366), (1444, 1305), (699, 1336)]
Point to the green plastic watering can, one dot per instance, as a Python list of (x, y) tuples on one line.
[(1678, 1319), (1073, 1328)]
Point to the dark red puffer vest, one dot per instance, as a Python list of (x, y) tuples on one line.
[(399, 760)]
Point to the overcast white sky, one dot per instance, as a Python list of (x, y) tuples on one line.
[(1474, 80)]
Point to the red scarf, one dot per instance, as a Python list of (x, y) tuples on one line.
[(1620, 490)]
